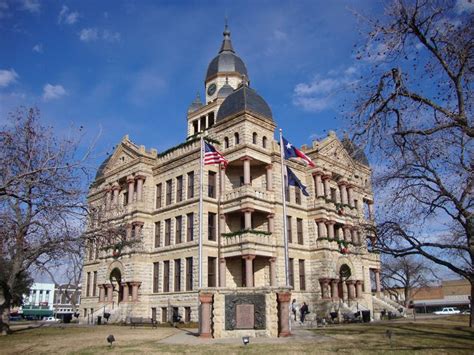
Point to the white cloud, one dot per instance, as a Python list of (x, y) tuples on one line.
[(464, 6), (67, 17), (53, 92), (321, 92), (38, 48), (32, 6), (376, 53), (94, 34), (7, 77)]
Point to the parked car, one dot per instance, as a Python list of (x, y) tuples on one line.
[(467, 311), (448, 310), (51, 319), (14, 318)]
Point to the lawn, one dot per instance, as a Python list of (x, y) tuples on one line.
[(447, 335)]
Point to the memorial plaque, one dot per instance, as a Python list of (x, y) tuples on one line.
[(244, 316)]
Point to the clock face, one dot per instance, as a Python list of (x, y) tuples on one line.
[(211, 89)]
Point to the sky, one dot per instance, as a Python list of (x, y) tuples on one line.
[(133, 67)]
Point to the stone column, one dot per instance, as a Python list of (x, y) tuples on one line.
[(273, 272), (318, 185), (140, 181), (378, 286), (269, 177), (206, 314), (222, 272), (110, 294), (344, 290), (135, 286), (347, 233), (115, 191), (131, 185), (327, 187), (271, 223), (199, 125), (222, 226), (324, 288), (322, 232), (350, 195), (138, 227), (343, 190), (351, 289), (108, 192), (128, 235), (248, 218), (283, 299), (125, 291), (359, 289), (246, 161), (101, 293), (330, 229), (249, 270), (334, 289)]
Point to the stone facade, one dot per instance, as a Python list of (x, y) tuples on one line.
[(155, 197)]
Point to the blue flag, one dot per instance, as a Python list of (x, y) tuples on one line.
[(294, 181)]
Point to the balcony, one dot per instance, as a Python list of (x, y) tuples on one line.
[(246, 242), (248, 196)]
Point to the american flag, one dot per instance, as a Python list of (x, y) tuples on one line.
[(212, 156)]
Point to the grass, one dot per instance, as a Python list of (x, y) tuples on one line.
[(446, 335)]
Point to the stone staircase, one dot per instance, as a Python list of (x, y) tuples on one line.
[(382, 303)]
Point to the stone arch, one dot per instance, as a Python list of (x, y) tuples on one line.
[(344, 261)]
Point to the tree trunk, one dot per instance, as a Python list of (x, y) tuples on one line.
[(471, 320), (4, 319)]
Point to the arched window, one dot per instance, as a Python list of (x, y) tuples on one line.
[(236, 138), (226, 142), (264, 142), (254, 138)]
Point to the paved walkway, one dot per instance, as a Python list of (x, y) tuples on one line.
[(190, 337)]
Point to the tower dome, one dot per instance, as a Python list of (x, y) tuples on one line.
[(226, 90), (196, 104), (226, 61), (244, 99)]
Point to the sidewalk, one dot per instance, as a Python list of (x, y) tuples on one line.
[(190, 337)]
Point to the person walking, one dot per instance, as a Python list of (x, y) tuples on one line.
[(294, 307), (304, 311)]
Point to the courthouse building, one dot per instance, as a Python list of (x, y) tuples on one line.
[(155, 197)]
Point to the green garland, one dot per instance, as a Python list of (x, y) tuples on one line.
[(251, 231), (120, 245), (191, 140)]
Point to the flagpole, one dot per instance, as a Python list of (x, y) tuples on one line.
[(201, 181), (283, 198)]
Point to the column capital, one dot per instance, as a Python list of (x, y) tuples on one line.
[(330, 221), (248, 257), (326, 176), (271, 215), (125, 283), (342, 183), (350, 282), (135, 283), (269, 166), (115, 186), (318, 172), (334, 281), (246, 157), (205, 297), (317, 220), (130, 179), (273, 259), (325, 280), (247, 209), (140, 177), (284, 296), (109, 285), (222, 166), (100, 286), (138, 223), (358, 282), (222, 260)]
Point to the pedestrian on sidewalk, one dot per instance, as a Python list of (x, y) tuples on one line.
[(304, 311), (294, 308)]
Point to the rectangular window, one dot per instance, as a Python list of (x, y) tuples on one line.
[(179, 188), (187, 314), (297, 196), (177, 275), (211, 184), (302, 277), (153, 314), (166, 276), (190, 227), (94, 285), (88, 284), (191, 184), (291, 273), (168, 231), (189, 274), (299, 230), (164, 314), (288, 229), (178, 229), (211, 272), (156, 276), (157, 234), (211, 226), (159, 193), (169, 186)]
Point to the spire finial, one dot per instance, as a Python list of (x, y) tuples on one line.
[(226, 43)]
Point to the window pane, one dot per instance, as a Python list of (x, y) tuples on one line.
[(179, 189), (169, 185), (158, 195), (211, 272), (211, 190), (191, 184)]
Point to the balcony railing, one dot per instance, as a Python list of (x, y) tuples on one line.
[(248, 191), (247, 236)]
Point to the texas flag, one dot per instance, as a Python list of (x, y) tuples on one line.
[(291, 151)]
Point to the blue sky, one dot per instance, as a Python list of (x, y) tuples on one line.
[(126, 67)]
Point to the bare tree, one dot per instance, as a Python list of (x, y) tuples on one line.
[(408, 273), (42, 208), (415, 113)]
